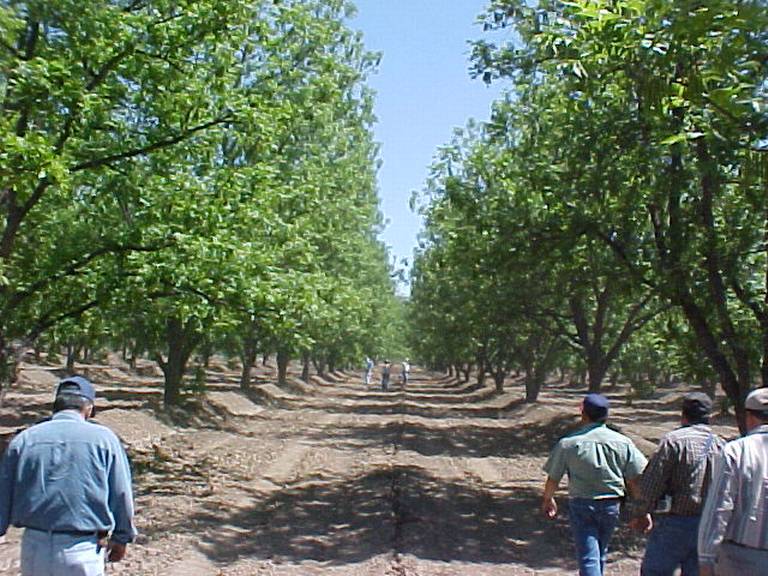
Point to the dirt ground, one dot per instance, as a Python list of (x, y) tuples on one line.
[(439, 479)]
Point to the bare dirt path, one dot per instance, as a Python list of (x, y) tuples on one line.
[(332, 478)]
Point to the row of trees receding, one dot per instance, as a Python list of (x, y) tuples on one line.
[(611, 219), (189, 176)]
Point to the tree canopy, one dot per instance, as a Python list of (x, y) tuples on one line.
[(619, 188), (179, 174)]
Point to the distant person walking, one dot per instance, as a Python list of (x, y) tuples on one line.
[(368, 371), (405, 371), (386, 371), (66, 481), (674, 484), (733, 534), (602, 465)]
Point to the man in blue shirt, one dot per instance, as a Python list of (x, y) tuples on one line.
[(68, 483)]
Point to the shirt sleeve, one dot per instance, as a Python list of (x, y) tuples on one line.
[(718, 509), (555, 466), (7, 481), (654, 480), (636, 462), (121, 497)]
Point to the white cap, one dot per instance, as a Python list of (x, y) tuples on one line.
[(757, 400)]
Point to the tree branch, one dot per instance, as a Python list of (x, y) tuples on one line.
[(75, 268), (171, 63), (159, 145), (760, 314), (10, 48), (16, 214), (47, 320)]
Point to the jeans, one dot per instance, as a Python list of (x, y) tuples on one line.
[(735, 560), (672, 543), (592, 524), (55, 554)]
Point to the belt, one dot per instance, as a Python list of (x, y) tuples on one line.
[(608, 499), (740, 545), (75, 533)]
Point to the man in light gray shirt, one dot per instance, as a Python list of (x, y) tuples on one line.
[(733, 533), (67, 482)]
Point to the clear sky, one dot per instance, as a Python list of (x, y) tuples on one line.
[(423, 91)]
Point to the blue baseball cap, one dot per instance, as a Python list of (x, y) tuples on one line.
[(77, 386), (596, 406)]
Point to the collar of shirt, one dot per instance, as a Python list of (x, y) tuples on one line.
[(702, 425), (591, 426), (762, 429), (72, 415)]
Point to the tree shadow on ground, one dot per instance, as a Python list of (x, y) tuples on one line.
[(21, 414), (401, 508), (388, 403), (448, 521), (348, 520), (459, 440), (418, 394), (473, 441), (456, 398), (644, 417)]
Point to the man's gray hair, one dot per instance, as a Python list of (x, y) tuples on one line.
[(70, 402)]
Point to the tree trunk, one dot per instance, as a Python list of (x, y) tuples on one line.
[(710, 183), (72, 352), (736, 388), (597, 370), (482, 365), (248, 358), (181, 341), (131, 353), (498, 379), (282, 366), (319, 366), (305, 367), (5, 370), (467, 369), (10, 365), (532, 384), (205, 355)]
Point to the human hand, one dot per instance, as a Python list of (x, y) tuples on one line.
[(115, 551), (642, 524), (549, 507), (706, 570)]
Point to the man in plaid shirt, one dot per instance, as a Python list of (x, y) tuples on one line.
[(674, 485)]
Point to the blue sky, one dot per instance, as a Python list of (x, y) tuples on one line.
[(423, 91)]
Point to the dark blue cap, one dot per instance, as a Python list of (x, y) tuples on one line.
[(596, 406), (77, 386)]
